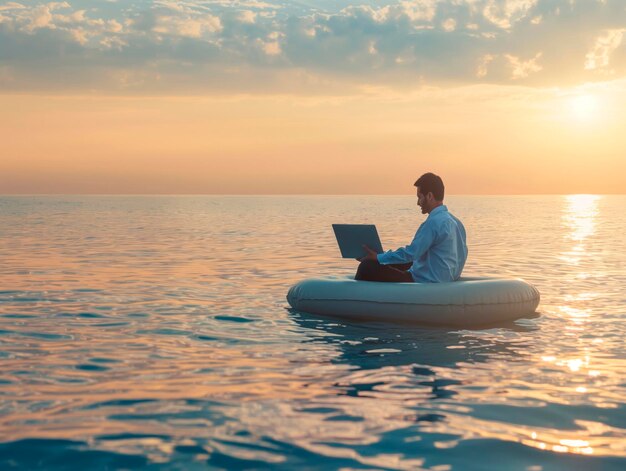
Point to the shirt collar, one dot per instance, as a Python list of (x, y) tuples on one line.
[(438, 209)]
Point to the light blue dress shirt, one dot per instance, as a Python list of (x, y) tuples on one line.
[(438, 250)]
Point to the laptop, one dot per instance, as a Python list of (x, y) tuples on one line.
[(352, 237)]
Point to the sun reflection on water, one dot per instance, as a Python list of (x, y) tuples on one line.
[(580, 215), (581, 368), (579, 219)]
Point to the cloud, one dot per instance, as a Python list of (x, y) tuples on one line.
[(11, 6), (40, 17), (449, 25), (247, 16), (600, 55), (483, 65), (523, 68), (271, 46), (190, 27), (208, 46), (505, 13)]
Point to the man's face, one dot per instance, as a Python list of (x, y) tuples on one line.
[(422, 201)]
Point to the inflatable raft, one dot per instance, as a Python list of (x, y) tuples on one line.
[(467, 302)]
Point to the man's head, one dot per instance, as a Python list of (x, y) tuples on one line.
[(430, 191)]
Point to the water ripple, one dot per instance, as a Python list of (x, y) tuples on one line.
[(153, 332)]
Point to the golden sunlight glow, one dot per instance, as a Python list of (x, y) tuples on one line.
[(573, 312), (581, 212), (576, 446), (576, 315), (574, 365), (579, 219), (583, 107), (482, 140)]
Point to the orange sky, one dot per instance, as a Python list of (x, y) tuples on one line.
[(497, 96), (482, 140)]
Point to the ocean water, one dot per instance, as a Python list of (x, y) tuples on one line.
[(153, 333)]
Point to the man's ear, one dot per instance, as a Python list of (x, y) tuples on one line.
[(430, 196)]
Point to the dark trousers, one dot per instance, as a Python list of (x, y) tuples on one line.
[(370, 270)]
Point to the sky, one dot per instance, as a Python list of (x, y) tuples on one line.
[(312, 97)]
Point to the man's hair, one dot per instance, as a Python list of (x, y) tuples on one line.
[(431, 183)]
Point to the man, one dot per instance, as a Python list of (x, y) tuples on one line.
[(438, 251)]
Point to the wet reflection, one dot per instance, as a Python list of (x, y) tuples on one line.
[(580, 214), (370, 345), (375, 347), (579, 220), (434, 378), (156, 327)]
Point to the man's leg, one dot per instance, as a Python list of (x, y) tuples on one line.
[(370, 270)]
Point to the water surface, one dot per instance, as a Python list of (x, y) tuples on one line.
[(153, 332)]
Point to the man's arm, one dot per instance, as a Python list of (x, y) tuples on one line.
[(369, 254), (423, 240)]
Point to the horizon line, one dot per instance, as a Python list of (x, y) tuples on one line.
[(300, 194)]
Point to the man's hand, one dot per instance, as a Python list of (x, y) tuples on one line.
[(370, 255)]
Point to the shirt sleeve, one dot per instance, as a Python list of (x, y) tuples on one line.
[(423, 240)]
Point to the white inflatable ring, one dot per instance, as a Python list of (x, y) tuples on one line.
[(469, 301)]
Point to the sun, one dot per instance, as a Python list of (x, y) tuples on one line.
[(583, 107)]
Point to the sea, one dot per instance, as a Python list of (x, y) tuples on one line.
[(152, 332)]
